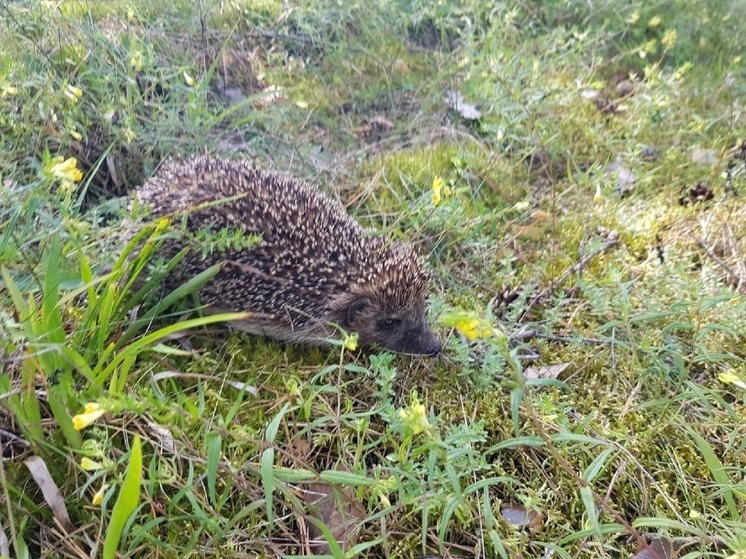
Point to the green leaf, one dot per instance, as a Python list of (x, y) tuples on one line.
[(129, 496), (597, 465), (331, 541), (51, 315), (274, 425), (213, 460), (586, 493), (718, 472), (64, 420), (516, 396), (339, 477), (268, 481)]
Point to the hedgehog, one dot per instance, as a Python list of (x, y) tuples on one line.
[(314, 270)]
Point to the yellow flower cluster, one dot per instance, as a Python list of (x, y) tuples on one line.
[(469, 324), (732, 378), (64, 171), (350, 342), (440, 191), (415, 416), (73, 94), (91, 413)]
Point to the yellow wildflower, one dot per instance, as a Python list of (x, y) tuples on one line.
[(98, 498), (188, 79), (598, 196), (382, 489), (468, 324), (415, 416), (91, 413), (655, 21), (669, 38), (73, 93), (732, 378), (350, 342), (136, 61), (438, 186), (66, 170), (634, 18), (474, 328), (90, 465), (8, 90)]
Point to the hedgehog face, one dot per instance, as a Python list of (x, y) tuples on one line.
[(402, 331)]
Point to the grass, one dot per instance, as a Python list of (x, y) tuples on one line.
[(586, 237)]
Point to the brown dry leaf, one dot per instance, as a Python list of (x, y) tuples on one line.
[(520, 517), (545, 371), (338, 509), (163, 436), (658, 548), (52, 493)]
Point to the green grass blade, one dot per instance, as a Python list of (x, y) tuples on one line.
[(145, 342), (268, 481), (51, 316), (129, 496), (586, 494), (213, 461), (718, 472), (63, 417), (192, 286), (18, 299), (331, 541)]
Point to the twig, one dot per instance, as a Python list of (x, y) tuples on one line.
[(608, 245), (719, 262)]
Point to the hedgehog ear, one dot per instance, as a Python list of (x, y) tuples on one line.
[(355, 309)]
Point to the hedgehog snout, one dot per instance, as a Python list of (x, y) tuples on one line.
[(419, 342)]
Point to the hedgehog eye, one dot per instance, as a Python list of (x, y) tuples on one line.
[(388, 323)]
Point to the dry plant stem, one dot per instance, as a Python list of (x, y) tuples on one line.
[(608, 245), (728, 270), (533, 333)]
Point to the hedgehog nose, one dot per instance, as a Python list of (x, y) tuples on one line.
[(433, 348)]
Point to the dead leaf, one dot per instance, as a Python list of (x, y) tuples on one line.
[(163, 436), (546, 371), (658, 548), (520, 517), (625, 178), (52, 494), (338, 509), (704, 156), (455, 100), (4, 543)]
